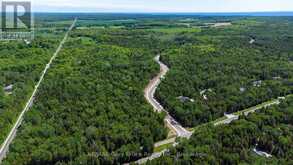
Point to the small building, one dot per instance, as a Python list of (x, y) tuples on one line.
[(257, 83), (205, 97), (27, 42), (262, 153), (277, 78), (251, 41), (8, 89), (242, 89), (185, 99), (203, 93)]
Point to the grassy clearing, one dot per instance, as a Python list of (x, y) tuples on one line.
[(162, 147), (171, 134)]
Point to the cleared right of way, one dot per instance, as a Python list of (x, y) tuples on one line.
[(174, 125), (149, 95), (5, 145)]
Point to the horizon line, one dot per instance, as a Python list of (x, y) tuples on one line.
[(162, 12)]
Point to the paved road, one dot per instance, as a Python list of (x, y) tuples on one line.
[(153, 156), (167, 141), (174, 125), (171, 123), (5, 146), (149, 95), (151, 88), (276, 102), (234, 116), (229, 119)]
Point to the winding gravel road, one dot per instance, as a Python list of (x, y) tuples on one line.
[(5, 145), (173, 124), (149, 95)]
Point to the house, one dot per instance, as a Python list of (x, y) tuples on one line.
[(277, 78), (257, 83), (203, 93), (185, 99), (8, 88), (261, 153), (27, 42), (251, 41)]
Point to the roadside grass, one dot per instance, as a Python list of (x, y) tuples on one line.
[(163, 147), (171, 134), (257, 107)]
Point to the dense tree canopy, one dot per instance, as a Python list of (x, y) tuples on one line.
[(224, 72), (271, 129), (91, 106), (20, 66)]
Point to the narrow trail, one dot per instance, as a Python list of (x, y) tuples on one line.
[(5, 145)]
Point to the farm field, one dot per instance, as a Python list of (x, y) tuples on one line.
[(93, 107)]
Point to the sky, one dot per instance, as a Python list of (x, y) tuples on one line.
[(161, 5)]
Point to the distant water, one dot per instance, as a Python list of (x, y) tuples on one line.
[(255, 14)]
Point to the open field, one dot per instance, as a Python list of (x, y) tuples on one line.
[(91, 106)]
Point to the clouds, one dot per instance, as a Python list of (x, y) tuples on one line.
[(162, 5)]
